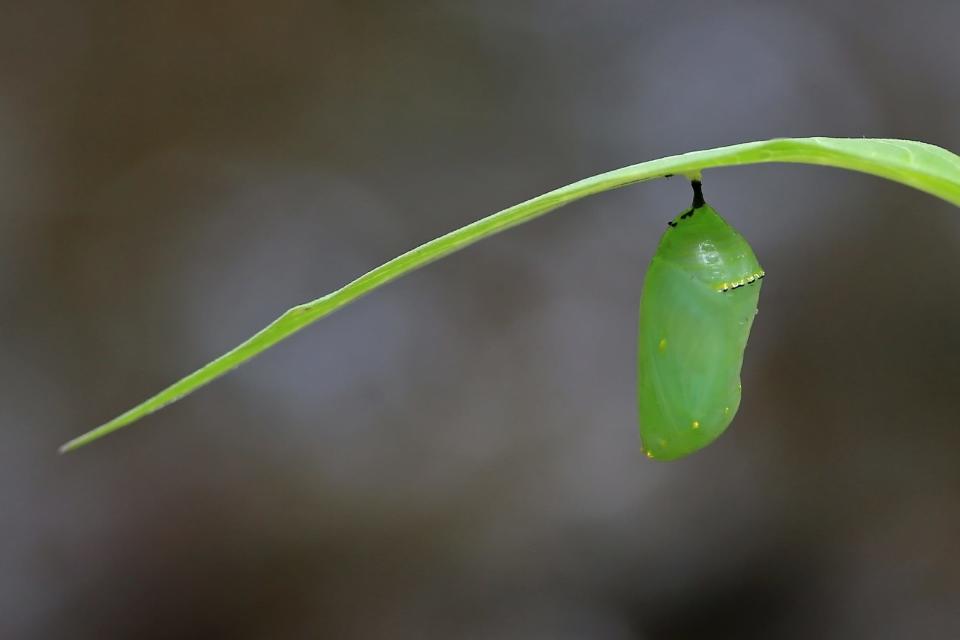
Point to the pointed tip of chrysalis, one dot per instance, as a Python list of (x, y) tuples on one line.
[(698, 200)]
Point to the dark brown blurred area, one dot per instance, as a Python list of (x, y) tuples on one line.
[(456, 456)]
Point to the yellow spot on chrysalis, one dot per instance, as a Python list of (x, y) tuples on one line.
[(750, 278), (726, 411), (663, 344), (696, 424), (650, 454)]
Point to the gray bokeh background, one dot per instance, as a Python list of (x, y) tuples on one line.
[(456, 455)]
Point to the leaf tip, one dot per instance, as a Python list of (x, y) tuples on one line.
[(73, 445), (67, 447)]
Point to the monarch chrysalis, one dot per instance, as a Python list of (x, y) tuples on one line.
[(699, 299)]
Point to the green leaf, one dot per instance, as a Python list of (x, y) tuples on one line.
[(919, 165)]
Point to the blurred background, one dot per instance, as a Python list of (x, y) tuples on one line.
[(456, 456)]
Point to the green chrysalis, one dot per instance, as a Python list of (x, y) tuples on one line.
[(699, 299)]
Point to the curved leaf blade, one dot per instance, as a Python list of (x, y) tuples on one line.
[(916, 164)]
